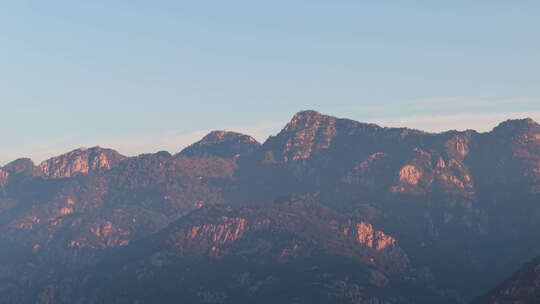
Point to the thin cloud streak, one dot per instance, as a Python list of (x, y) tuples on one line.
[(173, 142), (464, 103), (132, 145), (441, 123), (442, 106)]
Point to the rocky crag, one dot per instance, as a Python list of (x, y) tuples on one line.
[(329, 210)]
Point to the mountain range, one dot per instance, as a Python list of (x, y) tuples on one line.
[(329, 210)]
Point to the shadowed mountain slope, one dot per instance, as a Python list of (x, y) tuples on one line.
[(294, 249), (523, 287), (452, 213)]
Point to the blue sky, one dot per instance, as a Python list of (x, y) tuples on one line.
[(143, 76)]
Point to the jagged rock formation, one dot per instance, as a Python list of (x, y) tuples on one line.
[(222, 144), (448, 189), (109, 208), (277, 247), (81, 161), (69, 223), (406, 214), (307, 133), (21, 166)]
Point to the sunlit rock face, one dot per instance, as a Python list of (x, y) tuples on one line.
[(103, 234), (212, 230), (3, 177), (279, 245), (410, 174), (106, 208), (207, 238), (306, 133), (222, 144), (81, 161), (357, 210), (377, 240)]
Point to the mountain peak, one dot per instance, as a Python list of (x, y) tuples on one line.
[(21, 165), (307, 132), (305, 119), (223, 135), (222, 143), (82, 160), (517, 126), (517, 123), (307, 113)]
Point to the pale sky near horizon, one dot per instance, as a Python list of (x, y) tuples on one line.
[(141, 76)]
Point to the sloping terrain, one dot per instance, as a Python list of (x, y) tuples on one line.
[(294, 249), (523, 287), (432, 218)]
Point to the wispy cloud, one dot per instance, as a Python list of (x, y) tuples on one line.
[(439, 123), (430, 114), (174, 141), (440, 106), (468, 103), (133, 144), (481, 113), (441, 113)]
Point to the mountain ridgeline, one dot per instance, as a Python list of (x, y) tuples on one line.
[(329, 210)]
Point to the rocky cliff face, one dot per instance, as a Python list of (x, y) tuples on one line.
[(81, 161), (322, 149), (366, 214), (264, 249), (449, 189), (307, 133)]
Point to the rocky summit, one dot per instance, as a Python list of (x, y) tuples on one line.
[(222, 144), (329, 210)]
